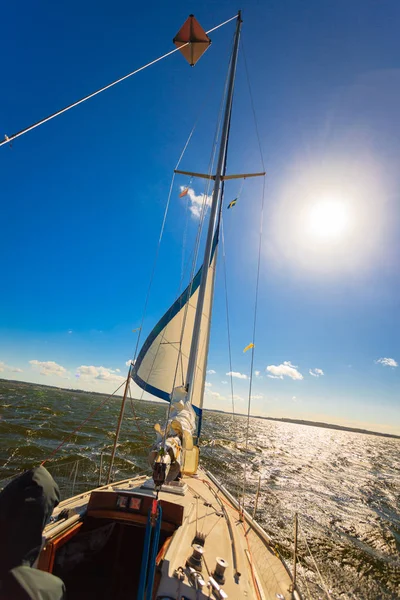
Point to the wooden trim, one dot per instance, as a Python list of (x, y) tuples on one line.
[(242, 176), (131, 518), (223, 177), (48, 553), (163, 550), (191, 174)]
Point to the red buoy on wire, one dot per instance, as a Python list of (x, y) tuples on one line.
[(192, 40)]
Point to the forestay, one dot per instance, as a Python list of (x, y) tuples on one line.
[(163, 360)]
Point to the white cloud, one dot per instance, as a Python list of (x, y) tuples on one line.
[(211, 372), (237, 375), (216, 395), (258, 374), (257, 397), (294, 398), (224, 382), (118, 370), (98, 373), (316, 372), (207, 384), (5, 367), (196, 202), (387, 362), (286, 369), (49, 367)]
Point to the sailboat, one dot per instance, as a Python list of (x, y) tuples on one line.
[(179, 534)]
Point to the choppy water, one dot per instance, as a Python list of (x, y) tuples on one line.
[(344, 486)]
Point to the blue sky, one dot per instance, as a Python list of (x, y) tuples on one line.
[(83, 198)]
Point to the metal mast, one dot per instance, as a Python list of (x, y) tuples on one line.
[(215, 208)]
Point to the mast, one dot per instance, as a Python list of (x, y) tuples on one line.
[(215, 209)]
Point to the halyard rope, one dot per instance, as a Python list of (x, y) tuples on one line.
[(227, 318)]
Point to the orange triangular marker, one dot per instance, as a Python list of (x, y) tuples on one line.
[(192, 34)]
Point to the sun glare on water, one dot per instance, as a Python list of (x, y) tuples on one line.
[(328, 219)]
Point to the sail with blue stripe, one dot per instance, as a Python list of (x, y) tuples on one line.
[(163, 360)]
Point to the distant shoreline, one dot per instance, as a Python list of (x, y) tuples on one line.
[(280, 420), (316, 424)]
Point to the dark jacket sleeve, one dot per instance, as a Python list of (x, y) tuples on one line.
[(25, 583), (26, 505)]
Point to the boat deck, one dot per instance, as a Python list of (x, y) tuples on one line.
[(253, 571)]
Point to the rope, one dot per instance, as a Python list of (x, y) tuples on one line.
[(254, 334), (134, 414), (199, 229), (159, 243), (305, 578), (9, 139), (227, 318), (161, 236), (82, 424), (258, 270), (252, 106), (222, 500), (324, 587)]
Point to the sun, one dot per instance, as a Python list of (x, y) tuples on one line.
[(328, 219)]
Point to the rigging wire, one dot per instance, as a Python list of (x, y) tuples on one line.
[(135, 415), (82, 424), (324, 586), (162, 231), (200, 227), (253, 106), (158, 250), (305, 578), (257, 276), (227, 318), (227, 303), (183, 265), (9, 139), (202, 108)]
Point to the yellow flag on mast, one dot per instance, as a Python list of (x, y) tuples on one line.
[(248, 347)]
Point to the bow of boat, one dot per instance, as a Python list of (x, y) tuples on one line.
[(98, 543)]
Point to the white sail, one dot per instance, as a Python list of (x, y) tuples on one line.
[(163, 360)]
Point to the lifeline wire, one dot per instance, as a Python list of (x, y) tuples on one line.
[(8, 139)]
